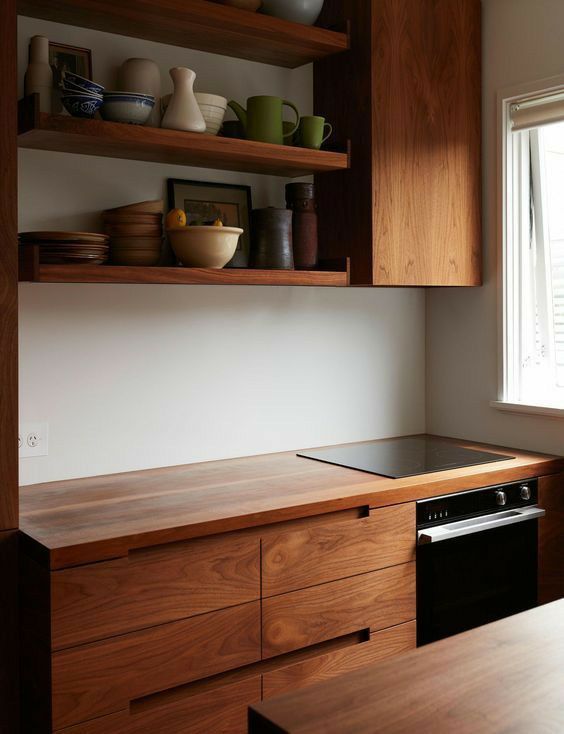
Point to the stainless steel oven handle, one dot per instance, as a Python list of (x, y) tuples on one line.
[(478, 524)]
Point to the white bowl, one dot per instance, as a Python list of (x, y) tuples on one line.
[(133, 109), (204, 247), (213, 109), (298, 11)]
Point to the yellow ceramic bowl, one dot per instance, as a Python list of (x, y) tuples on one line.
[(204, 247)]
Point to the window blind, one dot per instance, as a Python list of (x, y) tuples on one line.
[(530, 113)]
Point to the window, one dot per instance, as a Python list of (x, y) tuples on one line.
[(533, 249)]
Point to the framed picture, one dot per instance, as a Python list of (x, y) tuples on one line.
[(70, 58), (204, 202)]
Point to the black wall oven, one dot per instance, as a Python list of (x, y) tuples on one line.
[(476, 558)]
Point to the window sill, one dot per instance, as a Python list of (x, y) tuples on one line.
[(525, 409)]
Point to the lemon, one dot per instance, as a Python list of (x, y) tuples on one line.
[(175, 219), (218, 223)]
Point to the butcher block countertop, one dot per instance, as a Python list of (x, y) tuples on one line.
[(86, 520), (504, 678)]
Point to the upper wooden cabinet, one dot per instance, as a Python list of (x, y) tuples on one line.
[(407, 95)]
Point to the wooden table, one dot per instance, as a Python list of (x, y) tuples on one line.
[(505, 677)]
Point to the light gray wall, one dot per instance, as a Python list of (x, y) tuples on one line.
[(523, 42), (130, 377)]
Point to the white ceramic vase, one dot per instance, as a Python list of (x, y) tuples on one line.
[(39, 75), (142, 76), (183, 111)]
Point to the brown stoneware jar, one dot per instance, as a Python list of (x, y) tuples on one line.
[(300, 199), (271, 239)]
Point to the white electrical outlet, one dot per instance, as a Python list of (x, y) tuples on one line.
[(33, 440)]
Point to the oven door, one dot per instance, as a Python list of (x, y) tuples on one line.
[(482, 569)]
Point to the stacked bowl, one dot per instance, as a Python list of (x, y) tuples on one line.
[(136, 233), (80, 97), (213, 109)]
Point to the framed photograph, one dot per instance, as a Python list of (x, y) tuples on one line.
[(205, 202), (70, 58)]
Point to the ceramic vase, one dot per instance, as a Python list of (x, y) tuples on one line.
[(142, 76), (183, 111), (300, 198), (39, 75), (271, 239)]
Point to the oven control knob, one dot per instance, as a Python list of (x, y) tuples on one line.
[(500, 498), (525, 492)]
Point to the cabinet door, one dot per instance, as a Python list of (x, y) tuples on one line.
[(220, 709), (381, 645), (104, 677), (371, 601), (153, 586), (295, 559)]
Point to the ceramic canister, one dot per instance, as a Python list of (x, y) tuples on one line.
[(143, 77), (39, 75), (300, 199), (271, 239)]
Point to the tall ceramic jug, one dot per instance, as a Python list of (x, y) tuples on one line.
[(142, 76), (183, 111), (39, 75)]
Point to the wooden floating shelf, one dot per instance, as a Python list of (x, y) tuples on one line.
[(197, 24), (67, 134), (183, 276)]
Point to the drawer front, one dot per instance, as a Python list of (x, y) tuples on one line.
[(295, 559), (153, 586), (381, 645), (371, 601), (221, 710), (103, 677)]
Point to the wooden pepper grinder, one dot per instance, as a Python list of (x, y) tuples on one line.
[(300, 198)]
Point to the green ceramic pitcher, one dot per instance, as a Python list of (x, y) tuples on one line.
[(262, 120)]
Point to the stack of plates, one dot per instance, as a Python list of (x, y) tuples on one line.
[(135, 232), (69, 248)]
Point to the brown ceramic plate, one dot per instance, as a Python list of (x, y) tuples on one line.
[(143, 207), (63, 237)]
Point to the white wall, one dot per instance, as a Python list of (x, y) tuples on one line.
[(131, 377), (522, 42)]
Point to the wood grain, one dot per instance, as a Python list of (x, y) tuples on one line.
[(68, 134), (371, 601), (81, 521), (299, 558), (221, 710), (504, 677), (8, 272), (196, 24), (103, 677), (153, 586), (410, 207), (381, 645), (551, 539), (181, 276)]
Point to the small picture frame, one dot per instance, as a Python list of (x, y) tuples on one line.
[(70, 58), (204, 202)]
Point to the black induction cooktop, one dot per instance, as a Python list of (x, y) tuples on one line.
[(404, 457)]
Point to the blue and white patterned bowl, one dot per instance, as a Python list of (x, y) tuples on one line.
[(127, 107), (81, 105), (70, 88), (86, 85)]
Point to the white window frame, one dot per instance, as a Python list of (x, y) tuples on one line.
[(508, 151)]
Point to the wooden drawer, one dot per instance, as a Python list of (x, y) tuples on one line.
[(295, 559), (152, 587), (218, 710), (382, 644), (103, 677), (371, 601)]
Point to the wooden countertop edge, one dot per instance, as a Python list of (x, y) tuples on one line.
[(64, 556)]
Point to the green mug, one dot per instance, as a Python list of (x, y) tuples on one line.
[(311, 131)]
